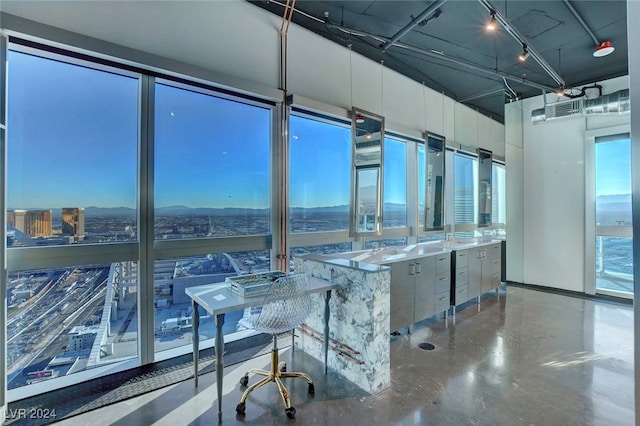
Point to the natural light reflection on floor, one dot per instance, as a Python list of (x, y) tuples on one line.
[(206, 397)]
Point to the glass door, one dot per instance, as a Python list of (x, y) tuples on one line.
[(613, 225)]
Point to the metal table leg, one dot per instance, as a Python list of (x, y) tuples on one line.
[(195, 323), (326, 329), (219, 363)]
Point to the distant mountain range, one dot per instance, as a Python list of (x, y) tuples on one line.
[(94, 211), (616, 198), (614, 203)]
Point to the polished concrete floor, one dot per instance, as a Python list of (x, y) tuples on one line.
[(529, 358)]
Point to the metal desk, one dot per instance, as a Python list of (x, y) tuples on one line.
[(218, 299)]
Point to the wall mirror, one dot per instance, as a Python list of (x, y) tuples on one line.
[(366, 173), (434, 182), (485, 171)]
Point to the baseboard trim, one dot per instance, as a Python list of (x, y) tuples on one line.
[(596, 298)]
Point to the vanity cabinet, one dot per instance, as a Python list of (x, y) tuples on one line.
[(419, 289), (476, 271)]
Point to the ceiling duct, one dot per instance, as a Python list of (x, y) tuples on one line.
[(613, 103)]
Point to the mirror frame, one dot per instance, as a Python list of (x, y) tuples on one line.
[(427, 201), (485, 161), (379, 167)]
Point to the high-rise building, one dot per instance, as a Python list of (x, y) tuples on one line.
[(15, 218), (38, 223), (34, 223), (73, 221)]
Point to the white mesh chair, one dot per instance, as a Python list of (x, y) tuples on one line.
[(285, 307)]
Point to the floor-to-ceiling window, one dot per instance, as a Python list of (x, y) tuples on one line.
[(72, 159), (211, 187), (123, 189), (613, 227)]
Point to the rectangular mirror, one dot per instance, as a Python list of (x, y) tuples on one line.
[(485, 172), (434, 182), (366, 173)]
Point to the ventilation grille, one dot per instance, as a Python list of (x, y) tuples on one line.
[(563, 109), (613, 103)]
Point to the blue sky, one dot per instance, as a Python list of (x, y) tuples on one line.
[(73, 135), (210, 152), (64, 148), (613, 167)]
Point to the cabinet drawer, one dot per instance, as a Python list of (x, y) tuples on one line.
[(442, 302), (462, 276), (462, 258), (443, 283), (462, 294), (443, 263)]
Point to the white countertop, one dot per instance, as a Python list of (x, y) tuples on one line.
[(413, 251)]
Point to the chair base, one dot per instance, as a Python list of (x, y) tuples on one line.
[(276, 374)]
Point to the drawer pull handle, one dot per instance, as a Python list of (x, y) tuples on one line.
[(443, 279), (443, 298)]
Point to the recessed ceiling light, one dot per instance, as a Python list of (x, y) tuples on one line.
[(604, 49)]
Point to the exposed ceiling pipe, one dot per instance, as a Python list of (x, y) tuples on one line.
[(433, 7), (581, 21), (444, 57), (283, 158), (481, 95), (523, 41)]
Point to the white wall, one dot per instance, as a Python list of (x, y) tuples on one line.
[(553, 184), (240, 43)]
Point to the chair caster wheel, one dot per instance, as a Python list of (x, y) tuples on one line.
[(240, 408), (291, 412), (312, 390), (283, 368), (244, 381)]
